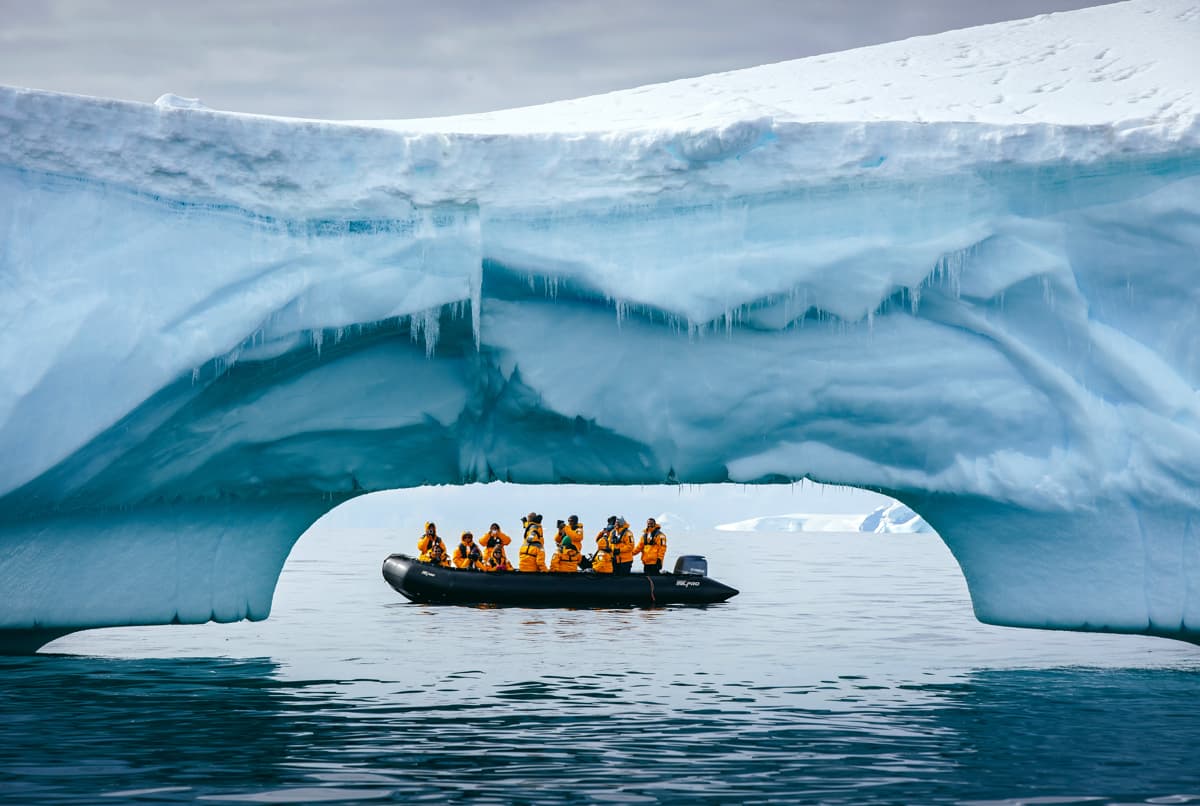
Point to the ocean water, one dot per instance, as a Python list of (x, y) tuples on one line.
[(849, 670)]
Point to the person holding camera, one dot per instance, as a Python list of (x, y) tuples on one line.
[(495, 540), (532, 555), (468, 555), (433, 550)]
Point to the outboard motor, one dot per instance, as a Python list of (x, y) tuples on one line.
[(692, 564)]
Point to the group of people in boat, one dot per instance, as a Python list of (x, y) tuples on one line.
[(615, 548)]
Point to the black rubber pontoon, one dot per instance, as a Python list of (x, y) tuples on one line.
[(431, 584)]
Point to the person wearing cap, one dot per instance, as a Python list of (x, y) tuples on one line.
[(561, 533), (621, 541), (566, 559), (605, 534), (652, 547), (532, 556), (468, 555), (575, 530), (533, 523), (433, 550)]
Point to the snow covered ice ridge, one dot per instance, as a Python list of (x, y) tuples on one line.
[(958, 269), (894, 518)]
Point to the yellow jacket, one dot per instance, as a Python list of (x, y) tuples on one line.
[(652, 546), (622, 544), (576, 535), (467, 555), (489, 539), (565, 560), (602, 561), (532, 557), (433, 550), (495, 561)]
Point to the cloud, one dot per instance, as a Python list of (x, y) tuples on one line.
[(378, 59)]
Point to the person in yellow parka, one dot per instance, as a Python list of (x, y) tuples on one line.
[(495, 539), (467, 555), (606, 533), (432, 549), (575, 530), (532, 557), (566, 559), (495, 560), (533, 523), (561, 533), (652, 547), (621, 541), (602, 562)]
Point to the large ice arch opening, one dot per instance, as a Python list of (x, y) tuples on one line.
[(215, 327)]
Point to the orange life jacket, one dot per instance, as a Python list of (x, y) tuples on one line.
[(532, 555), (652, 546), (491, 540), (622, 544), (565, 560), (433, 550), (602, 562), (467, 555), (496, 561)]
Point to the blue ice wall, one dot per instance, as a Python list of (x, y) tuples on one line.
[(198, 364)]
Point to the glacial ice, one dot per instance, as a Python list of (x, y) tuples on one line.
[(893, 518), (958, 269)]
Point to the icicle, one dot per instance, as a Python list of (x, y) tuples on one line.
[(317, 337), (476, 302), (432, 327), (1047, 291)]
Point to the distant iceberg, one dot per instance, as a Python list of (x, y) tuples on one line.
[(891, 519), (959, 270)]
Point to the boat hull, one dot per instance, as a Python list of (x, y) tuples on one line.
[(430, 584)]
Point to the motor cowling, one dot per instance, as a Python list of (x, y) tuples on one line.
[(691, 565)]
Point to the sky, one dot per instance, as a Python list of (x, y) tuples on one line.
[(681, 507), (365, 59)]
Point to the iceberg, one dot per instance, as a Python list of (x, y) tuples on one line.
[(894, 518), (959, 270)]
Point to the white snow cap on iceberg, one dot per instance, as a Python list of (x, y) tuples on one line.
[(894, 518), (172, 101)]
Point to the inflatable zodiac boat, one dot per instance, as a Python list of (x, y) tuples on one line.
[(432, 584)]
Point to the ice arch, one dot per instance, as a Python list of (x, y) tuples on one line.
[(920, 268)]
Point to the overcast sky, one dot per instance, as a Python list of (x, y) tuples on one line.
[(380, 59)]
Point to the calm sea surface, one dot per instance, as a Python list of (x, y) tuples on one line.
[(850, 670)]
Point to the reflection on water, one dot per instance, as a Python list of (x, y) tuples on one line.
[(79, 730), (855, 676)]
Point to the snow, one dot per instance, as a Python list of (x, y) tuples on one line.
[(894, 518), (958, 270), (170, 100)]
